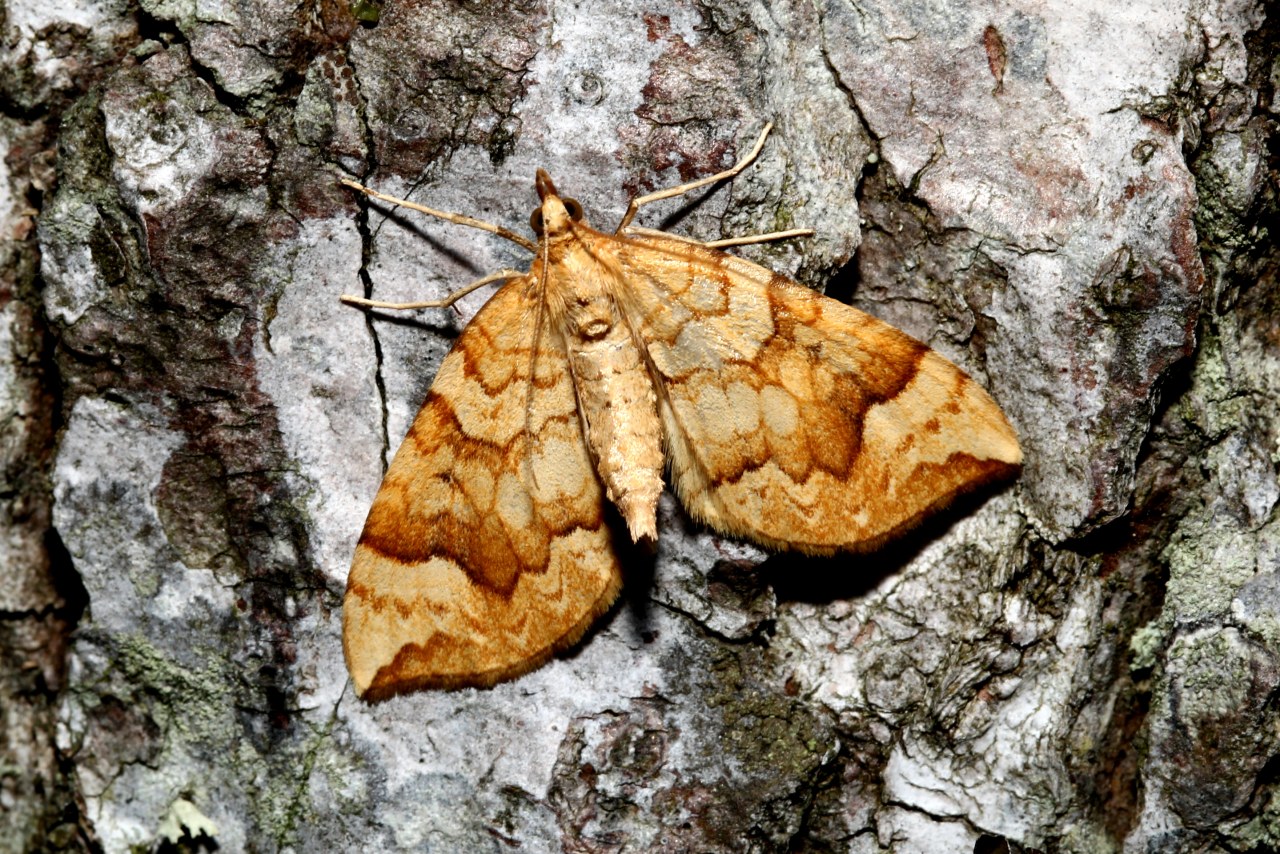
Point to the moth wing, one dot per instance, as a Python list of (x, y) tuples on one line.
[(796, 420), (486, 549)]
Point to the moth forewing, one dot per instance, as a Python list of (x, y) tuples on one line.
[(486, 548), (798, 421)]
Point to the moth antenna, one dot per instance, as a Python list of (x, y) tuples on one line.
[(459, 219), (641, 231), (533, 358), (671, 192)]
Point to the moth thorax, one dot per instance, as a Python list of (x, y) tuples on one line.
[(591, 318)]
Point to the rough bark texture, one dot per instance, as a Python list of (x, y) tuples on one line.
[(1073, 201)]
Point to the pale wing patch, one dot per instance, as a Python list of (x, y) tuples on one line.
[(781, 412), (514, 504), (748, 324), (486, 549), (798, 421), (562, 469), (743, 415), (706, 296)]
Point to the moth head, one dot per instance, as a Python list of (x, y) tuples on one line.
[(554, 214)]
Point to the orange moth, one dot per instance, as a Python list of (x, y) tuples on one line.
[(780, 416)]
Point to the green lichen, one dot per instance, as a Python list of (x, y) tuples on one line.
[(1213, 672), (142, 663), (1085, 838), (1147, 644), (181, 12), (780, 745), (1213, 403), (1226, 172), (1262, 831), (1208, 563), (367, 11), (1261, 621), (313, 112), (784, 213), (195, 703)]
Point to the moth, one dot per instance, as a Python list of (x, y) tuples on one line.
[(780, 416)]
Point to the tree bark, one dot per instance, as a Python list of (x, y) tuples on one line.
[(1073, 202)]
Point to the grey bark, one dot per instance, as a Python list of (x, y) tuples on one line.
[(1071, 201)]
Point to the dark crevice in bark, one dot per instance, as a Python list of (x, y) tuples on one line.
[(366, 251), (366, 281), (159, 30), (843, 285)]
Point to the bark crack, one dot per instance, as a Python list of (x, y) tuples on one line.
[(366, 256)]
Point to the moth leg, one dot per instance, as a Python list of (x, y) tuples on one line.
[(671, 192), (453, 297), (459, 219), (728, 241)]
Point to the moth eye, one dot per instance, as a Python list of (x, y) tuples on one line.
[(574, 209), (535, 221)]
